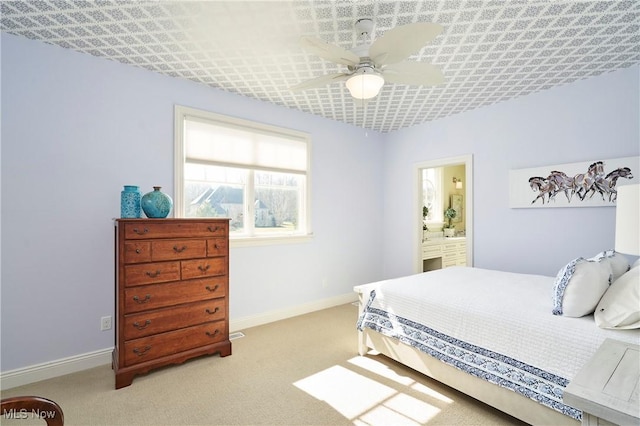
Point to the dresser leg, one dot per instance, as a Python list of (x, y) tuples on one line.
[(225, 350), (124, 379)]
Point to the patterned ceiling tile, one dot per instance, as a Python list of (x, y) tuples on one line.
[(490, 50)]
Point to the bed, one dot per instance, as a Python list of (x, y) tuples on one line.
[(489, 334)]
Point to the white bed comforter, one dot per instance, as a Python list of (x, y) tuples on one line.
[(495, 325)]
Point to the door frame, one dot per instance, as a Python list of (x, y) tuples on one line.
[(467, 161)]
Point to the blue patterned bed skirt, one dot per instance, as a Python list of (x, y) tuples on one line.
[(531, 382)]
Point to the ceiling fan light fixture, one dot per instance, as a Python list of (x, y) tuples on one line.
[(365, 83)]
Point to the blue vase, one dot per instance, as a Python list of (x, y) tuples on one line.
[(130, 202), (156, 204)]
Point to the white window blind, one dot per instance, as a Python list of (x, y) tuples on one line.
[(230, 145)]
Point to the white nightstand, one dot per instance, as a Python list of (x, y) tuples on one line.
[(607, 388)]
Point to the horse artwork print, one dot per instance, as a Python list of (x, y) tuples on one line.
[(586, 184)]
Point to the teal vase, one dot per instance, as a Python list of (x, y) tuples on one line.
[(130, 202), (156, 204)]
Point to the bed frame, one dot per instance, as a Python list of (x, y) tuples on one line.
[(500, 398)]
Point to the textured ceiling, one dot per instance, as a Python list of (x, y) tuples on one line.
[(489, 51)]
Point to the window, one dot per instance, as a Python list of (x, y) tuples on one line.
[(227, 167), (432, 194)]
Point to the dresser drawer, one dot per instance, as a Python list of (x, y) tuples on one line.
[(169, 229), (446, 254), (150, 273), (204, 267), (431, 251), (448, 262), (155, 296), (171, 342), (178, 249), (217, 247), (161, 320), (450, 247), (137, 252)]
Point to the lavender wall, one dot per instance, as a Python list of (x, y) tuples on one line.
[(592, 119), (76, 128)]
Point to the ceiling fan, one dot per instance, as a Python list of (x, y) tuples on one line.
[(370, 65)]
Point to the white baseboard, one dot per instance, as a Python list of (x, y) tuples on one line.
[(47, 370), (267, 317)]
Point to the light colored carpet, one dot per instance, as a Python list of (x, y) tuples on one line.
[(300, 371)]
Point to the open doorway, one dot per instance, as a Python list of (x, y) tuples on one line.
[(443, 186)]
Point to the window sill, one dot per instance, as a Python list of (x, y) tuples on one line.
[(268, 240)]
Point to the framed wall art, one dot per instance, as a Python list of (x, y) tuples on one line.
[(584, 184)]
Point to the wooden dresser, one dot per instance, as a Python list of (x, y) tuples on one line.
[(172, 293)]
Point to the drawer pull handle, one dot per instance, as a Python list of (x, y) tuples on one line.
[(204, 269), (141, 327), (213, 228), (137, 231), (210, 312), (145, 300), (141, 352), (153, 274), (179, 249), (215, 333), (138, 251), (215, 287)]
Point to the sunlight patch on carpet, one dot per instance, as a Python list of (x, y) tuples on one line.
[(384, 371), (364, 400), (399, 410)]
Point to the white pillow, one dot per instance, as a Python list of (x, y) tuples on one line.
[(620, 305), (579, 286), (619, 263)]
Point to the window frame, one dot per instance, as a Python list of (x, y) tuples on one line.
[(181, 113)]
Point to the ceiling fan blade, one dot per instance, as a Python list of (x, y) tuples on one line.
[(414, 73), (399, 43), (323, 80), (328, 51)]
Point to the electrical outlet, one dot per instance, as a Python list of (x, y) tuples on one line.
[(105, 323)]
